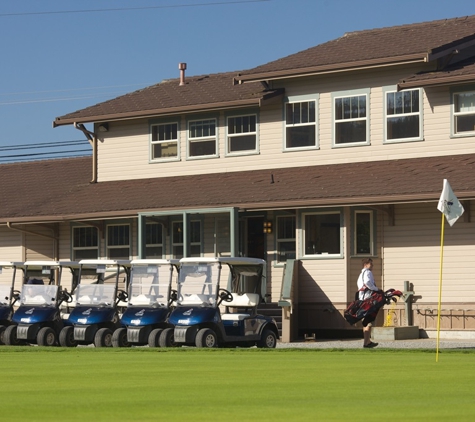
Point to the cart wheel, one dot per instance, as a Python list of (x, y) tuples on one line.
[(103, 338), (166, 338), (10, 338), (66, 337), (2, 332), (154, 337), (46, 337), (206, 338), (119, 338), (268, 339)]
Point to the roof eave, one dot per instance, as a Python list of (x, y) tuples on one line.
[(436, 81), (333, 68), (249, 102)]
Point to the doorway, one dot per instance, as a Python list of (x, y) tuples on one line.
[(252, 238)]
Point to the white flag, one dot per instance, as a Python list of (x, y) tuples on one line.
[(449, 204)]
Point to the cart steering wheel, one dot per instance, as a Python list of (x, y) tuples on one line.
[(225, 295), (122, 295), (66, 296)]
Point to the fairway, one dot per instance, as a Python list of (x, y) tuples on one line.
[(142, 384)]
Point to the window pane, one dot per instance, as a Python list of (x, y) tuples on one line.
[(464, 102), (164, 150), (154, 252), (349, 132), (118, 253), (465, 123), (199, 148), (118, 235), (85, 237), (322, 234), (363, 233), (300, 136), (403, 127), (153, 234), (242, 143)]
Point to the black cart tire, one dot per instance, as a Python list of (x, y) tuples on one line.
[(66, 337), (2, 332), (206, 338), (119, 338), (10, 338), (166, 338), (268, 339), (154, 337), (103, 338), (46, 337)]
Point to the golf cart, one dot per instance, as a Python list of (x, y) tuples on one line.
[(150, 297), (37, 320), (8, 297), (198, 318), (98, 299)]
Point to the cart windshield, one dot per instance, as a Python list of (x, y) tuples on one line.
[(95, 294), (198, 284), (4, 295), (150, 285), (38, 294)]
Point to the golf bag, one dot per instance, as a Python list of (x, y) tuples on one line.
[(360, 309)]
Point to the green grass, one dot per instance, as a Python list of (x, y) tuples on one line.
[(142, 384)]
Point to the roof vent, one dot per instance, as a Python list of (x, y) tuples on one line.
[(182, 68)]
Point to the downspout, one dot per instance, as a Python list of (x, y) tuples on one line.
[(92, 138), (53, 236)]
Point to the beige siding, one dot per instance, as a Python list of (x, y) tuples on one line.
[(124, 152), (10, 251), (412, 251)]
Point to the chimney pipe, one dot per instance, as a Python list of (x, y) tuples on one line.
[(182, 68)]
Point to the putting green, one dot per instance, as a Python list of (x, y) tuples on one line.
[(142, 384)]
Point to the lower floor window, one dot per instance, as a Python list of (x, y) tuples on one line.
[(285, 238), (118, 241), (178, 239), (322, 233), (85, 243), (154, 240), (363, 236)]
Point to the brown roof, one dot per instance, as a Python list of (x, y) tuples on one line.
[(199, 93), (420, 41), (56, 190), (461, 72)]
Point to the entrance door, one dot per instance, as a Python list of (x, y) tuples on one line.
[(252, 242)]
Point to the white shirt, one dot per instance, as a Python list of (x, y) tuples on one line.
[(366, 279)]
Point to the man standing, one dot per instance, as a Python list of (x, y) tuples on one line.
[(366, 287)]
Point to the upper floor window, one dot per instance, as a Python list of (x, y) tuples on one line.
[(118, 241), (403, 115), (202, 138), (363, 232), (464, 112), (164, 141), (178, 239), (154, 240), (285, 238), (322, 234), (85, 243), (241, 134), (351, 124), (300, 125)]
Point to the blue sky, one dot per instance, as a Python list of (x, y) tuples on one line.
[(53, 63)]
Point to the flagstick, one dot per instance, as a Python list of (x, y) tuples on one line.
[(440, 286)]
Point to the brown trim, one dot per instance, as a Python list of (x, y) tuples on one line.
[(329, 68), (435, 81), (172, 110)]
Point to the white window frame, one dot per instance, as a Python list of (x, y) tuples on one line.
[(74, 249), (230, 137), (208, 138), (355, 232), (420, 114), (299, 100), (322, 254), (165, 141), (281, 240), (351, 94), (455, 114), (110, 247)]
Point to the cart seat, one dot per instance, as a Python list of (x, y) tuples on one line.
[(194, 299), (244, 302)]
